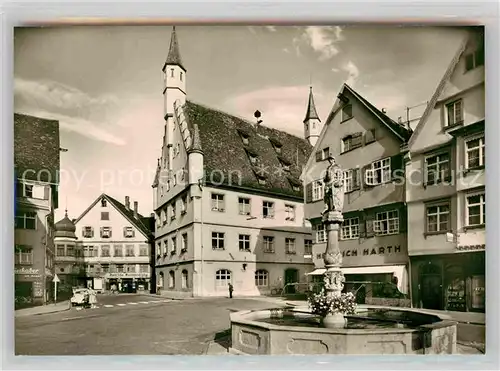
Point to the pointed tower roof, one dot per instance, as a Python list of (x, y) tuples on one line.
[(174, 55), (311, 112), (65, 228)]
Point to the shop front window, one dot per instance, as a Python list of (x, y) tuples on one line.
[(455, 289)]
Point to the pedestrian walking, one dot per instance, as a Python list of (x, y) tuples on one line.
[(92, 299), (230, 291)]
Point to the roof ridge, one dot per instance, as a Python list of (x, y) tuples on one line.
[(253, 125)]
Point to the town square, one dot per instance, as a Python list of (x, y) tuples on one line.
[(249, 190)]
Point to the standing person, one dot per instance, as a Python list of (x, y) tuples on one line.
[(230, 290), (92, 299)]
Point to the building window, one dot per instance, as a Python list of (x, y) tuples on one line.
[(290, 246), (119, 268), (289, 212), (244, 206), (130, 268), (105, 268), (104, 215), (184, 281), (308, 244), (325, 153), (183, 205), (217, 202), (60, 251), (475, 59), (128, 232), (217, 240), (386, 222), (175, 180), (129, 250), (180, 76), (172, 217), (268, 209), (268, 244), (454, 113), (174, 246), (261, 278), (164, 216), (184, 246), (476, 210), (144, 250), (475, 152), (104, 203), (105, 253), (351, 180), (161, 279), (165, 247), (171, 72), (317, 190), (379, 172), (70, 251), (118, 250), (25, 220), (438, 218), (89, 251), (33, 191), (24, 255), (320, 233), (437, 168), (351, 142), (253, 159), (350, 229), (346, 112), (244, 242), (88, 232), (143, 268), (105, 232), (222, 278)]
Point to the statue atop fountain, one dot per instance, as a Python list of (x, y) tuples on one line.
[(332, 219)]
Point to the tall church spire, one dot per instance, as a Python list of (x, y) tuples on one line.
[(311, 108), (174, 55)]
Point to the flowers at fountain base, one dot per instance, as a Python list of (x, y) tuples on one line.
[(322, 304)]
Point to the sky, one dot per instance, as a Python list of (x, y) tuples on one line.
[(104, 85)]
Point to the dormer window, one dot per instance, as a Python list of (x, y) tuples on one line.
[(103, 203), (276, 145), (285, 164), (244, 136), (253, 159), (455, 113)]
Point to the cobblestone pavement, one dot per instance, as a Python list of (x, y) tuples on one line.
[(149, 327)]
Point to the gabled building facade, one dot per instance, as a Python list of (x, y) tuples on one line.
[(366, 143), (228, 200), (115, 241), (36, 159), (446, 188)]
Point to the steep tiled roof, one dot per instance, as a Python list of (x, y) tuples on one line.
[(221, 137), (129, 214), (36, 148), (174, 55), (400, 130), (311, 108)]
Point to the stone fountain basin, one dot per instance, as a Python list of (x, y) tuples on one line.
[(251, 335)]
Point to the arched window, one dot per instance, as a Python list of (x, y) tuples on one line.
[(261, 278), (160, 279), (184, 281), (171, 279), (222, 277)]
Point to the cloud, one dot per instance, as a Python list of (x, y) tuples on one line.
[(282, 107), (335, 69), (286, 50), (322, 39), (353, 73), (76, 111), (271, 28)]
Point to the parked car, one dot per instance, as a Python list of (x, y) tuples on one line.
[(80, 297)]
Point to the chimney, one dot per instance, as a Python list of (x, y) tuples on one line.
[(127, 202), (136, 214)]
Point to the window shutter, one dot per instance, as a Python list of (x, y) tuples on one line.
[(369, 230), (92, 231), (355, 178), (364, 172), (370, 136), (403, 218), (102, 230), (318, 156), (362, 229), (46, 192), (133, 232), (124, 231), (110, 232), (83, 232), (309, 191), (397, 166), (356, 139)]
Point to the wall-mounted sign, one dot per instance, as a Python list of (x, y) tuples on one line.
[(126, 275), (471, 247), (373, 251), (24, 270), (37, 289)]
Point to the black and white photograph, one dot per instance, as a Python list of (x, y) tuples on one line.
[(249, 189)]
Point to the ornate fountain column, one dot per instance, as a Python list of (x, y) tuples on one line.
[(332, 220)]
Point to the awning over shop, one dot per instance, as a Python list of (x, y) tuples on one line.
[(400, 271)]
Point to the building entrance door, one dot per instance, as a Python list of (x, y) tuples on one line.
[(291, 276), (431, 287)]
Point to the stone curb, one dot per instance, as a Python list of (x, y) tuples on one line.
[(18, 313)]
